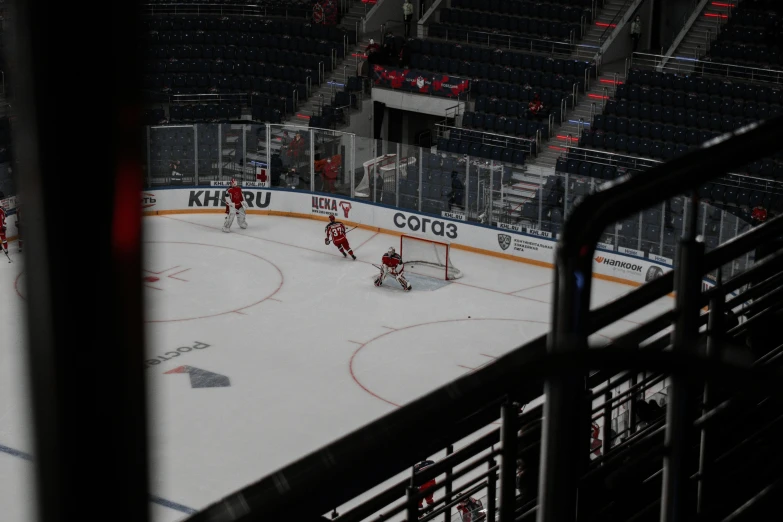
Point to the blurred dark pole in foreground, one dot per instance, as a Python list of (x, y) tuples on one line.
[(76, 81)]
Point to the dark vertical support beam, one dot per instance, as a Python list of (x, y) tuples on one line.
[(449, 486), (562, 448), (83, 245), (632, 408), (492, 484), (716, 328), (509, 415), (412, 506), (607, 439), (675, 505)]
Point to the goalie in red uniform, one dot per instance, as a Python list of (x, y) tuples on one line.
[(235, 207), (391, 263), (3, 240), (335, 233)]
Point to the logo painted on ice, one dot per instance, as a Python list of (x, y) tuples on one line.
[(504, 240)]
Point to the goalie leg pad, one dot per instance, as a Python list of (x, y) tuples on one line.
[(229, 219), (241, 215), (403, 282)]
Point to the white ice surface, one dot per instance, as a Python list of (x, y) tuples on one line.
[(312, 349)]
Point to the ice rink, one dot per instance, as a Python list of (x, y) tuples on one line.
[(265, 344)]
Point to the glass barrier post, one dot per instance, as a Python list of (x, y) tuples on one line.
[(540, 200), (310, 162), (268, 140), (149, 159), (195, 154), (397, 176), (491, 193), (243, 165), (639, 242), (466, 201), (421, 172), (220, 152), (352, 172)]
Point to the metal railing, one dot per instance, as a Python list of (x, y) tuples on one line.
[(681, 65), (572, 316), (249, 10), (513, 42)]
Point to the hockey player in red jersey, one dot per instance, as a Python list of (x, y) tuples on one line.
[(335, 233), (3, 240), (235, 206), (392, 264)]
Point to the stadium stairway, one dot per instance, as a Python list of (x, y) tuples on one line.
[(704, 29), (603, 86), (609, 14)]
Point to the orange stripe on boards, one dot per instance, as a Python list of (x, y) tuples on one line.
[(455, 246)]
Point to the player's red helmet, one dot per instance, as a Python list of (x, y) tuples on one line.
[(331, 217)]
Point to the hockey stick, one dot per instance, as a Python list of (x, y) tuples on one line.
[(6, 255), (357, 226)]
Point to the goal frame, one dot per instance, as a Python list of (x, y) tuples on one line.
[(431, 241)]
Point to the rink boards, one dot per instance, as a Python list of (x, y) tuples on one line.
[(534, 247)]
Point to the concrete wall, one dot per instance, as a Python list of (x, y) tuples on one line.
[(433, 105), (361, 122), (622, 45)]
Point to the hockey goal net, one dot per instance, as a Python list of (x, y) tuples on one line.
[(428, 257)]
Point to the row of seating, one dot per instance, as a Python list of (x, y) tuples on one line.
[(538, 10), (470, 29), (196, 24), (230, 68), (700, 85), (516, 105), (504, 57), (266, 114), (699, 104), (675, 125), (734, 53), (205, 112), (213, 84), (521, 127), (185, 56), (239, 40), (634, 145), (477, 150)]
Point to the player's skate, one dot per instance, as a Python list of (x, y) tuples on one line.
[(353, 256)]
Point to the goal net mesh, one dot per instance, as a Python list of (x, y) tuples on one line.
[(427, 257)]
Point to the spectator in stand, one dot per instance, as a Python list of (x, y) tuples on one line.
[(536, 107), (329, 174), (176, 174), (457, 196), (418, 468), (372, 47), (296, 150), (407, 16), (636, 31)]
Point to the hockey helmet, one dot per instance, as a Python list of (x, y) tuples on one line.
[(391, 251), (331, 217)]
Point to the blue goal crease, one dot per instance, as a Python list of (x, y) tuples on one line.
[(153, 498)]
